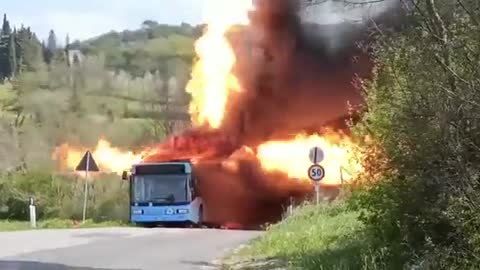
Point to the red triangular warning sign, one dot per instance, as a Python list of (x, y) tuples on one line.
[(87, 163)]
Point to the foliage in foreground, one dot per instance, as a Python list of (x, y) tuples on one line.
[(420, 195), (316, 237)]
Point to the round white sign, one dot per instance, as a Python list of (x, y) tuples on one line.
[(316, 155), (316, 173)]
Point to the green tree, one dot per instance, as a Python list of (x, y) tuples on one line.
[(12, 56), (21, 37), (30, 50), (67, 42), (51, 48), (6, 30), (421, 191), (78, 84), (149, 23), (4, 57), (52, 41)]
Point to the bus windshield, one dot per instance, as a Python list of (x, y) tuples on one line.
[(160, 188)]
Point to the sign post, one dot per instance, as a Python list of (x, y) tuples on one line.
[(290, 207), (87, 164), (316, 172)]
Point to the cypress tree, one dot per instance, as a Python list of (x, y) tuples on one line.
[(51, 48), (21, 40), (67, 50), (6, 30), (4, 49), (12, 56), (52, 42), (75, 102), (67, 42), (46, 53), (4, 63)]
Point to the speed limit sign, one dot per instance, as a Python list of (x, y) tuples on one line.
[(316, 173)]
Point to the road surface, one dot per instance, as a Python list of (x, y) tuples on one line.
[(118, 248)]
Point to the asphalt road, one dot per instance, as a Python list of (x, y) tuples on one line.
[(118, 248)]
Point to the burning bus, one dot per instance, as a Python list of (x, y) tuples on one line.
[(164, 193), (249, 187)]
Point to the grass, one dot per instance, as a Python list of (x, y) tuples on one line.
[(7, 225), (315, 237)]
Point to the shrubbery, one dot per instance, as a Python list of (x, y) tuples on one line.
[(420, 194), (62, 197), (329, 237)]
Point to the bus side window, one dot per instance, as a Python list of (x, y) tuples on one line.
[(192, 187)]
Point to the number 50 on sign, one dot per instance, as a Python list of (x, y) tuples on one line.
[(316, 173)]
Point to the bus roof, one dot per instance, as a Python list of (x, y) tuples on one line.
[(186, 166), (170, 162)]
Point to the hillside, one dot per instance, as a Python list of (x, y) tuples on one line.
[(153, 47), (128, 87)]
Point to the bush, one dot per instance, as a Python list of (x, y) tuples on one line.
[(316, 237), (420, 191), (62, 197)]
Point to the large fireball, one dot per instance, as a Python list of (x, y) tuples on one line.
[(212, 77)]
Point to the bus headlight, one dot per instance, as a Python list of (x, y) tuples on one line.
[(182, 211), (138, 212), (169, 211)]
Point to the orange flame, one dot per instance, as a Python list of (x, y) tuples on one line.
[(211, 85), (292, 157), (212, 78), (108, 158)]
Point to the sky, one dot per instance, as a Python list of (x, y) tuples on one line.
[(83, 19)]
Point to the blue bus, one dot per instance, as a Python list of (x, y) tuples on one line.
[(164, 194)]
